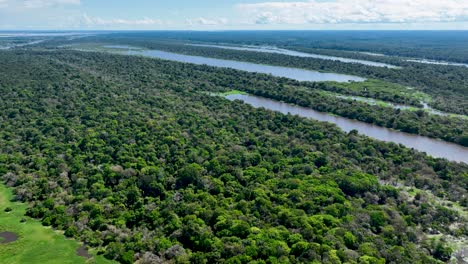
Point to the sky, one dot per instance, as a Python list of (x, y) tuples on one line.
[(233, 14)]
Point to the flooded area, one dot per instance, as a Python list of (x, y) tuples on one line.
[(8, 237), (82, 251)]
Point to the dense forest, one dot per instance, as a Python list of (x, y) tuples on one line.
[(434, 45), (446, 84), (309, 94), (128, 155), (415, 122)]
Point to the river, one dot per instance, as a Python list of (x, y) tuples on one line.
[(292, 73), (267, 49), (433, 147)]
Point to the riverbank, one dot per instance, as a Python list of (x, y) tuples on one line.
[(294, 73), (432, 147)]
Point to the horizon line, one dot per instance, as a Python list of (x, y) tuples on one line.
[(213, 30)]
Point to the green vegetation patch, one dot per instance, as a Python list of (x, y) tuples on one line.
[(385, 91), (129, 150), (35, 243), (102, 47), (223, 94)]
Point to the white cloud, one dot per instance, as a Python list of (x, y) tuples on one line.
[(49, 3), (207, 21), (356, 11), (98, 21)]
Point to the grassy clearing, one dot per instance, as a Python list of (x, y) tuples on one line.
[(223, 94), (458, 116), (385, 89), (102, 47), (36, 243), (367, 100), (373, 101)]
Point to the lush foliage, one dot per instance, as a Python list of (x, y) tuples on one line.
[(125, 154), (312, 95), (415, 122), (35, 241), (446, 84), (435, 45), (385, 91)]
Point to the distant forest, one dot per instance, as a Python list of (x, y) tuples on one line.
[(434, 45), (447, 85)]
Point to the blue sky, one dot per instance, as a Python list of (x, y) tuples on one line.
[(233, 14)]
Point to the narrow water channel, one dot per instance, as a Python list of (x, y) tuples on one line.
[(294, 53), (433, 147)]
